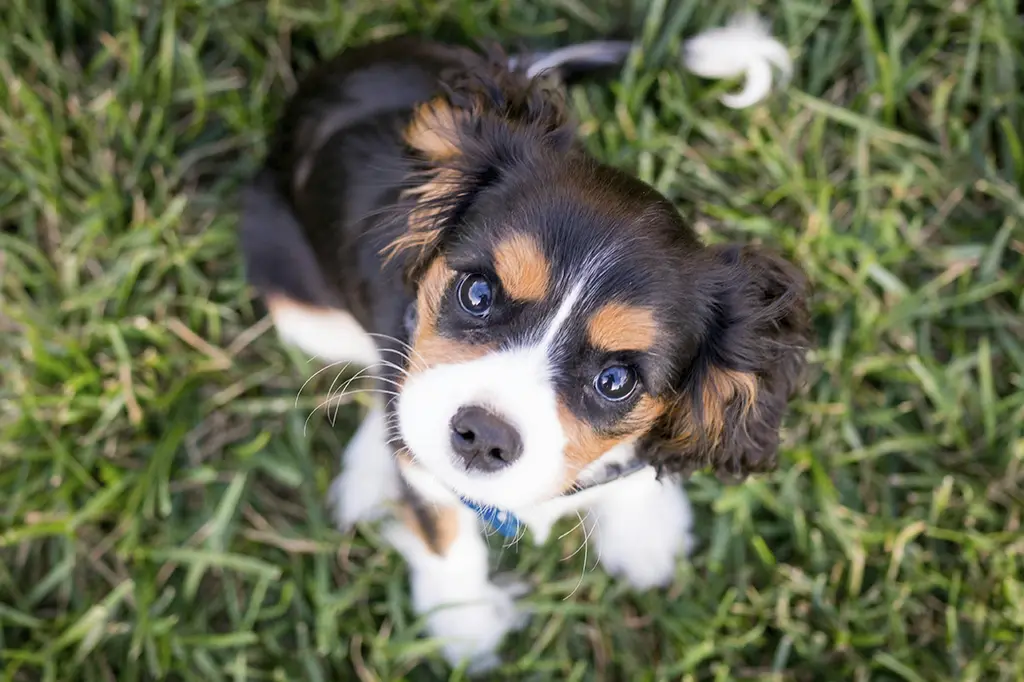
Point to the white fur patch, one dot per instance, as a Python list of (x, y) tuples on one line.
[(742, 48), (515, 385), (468, 613), (329, 334), (369, 476)]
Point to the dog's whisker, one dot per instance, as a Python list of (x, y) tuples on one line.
[(520, 534), (348, 383), (394, 383), (398, 368), (326, 404), (330, 392), (585, 547), (408, 347), (400, 342), (338, 400), (399, 352), (402, 369), (569, 532), (305, 424), (315, 375), (586, 534)]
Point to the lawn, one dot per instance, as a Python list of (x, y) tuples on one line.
[(162, 479)]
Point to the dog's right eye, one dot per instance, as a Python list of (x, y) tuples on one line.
[(616, 383), (476, 295)]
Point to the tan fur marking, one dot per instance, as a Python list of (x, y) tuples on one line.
[(277, 304), (434, 130), (585, 444), (524, 270), (423, 229), (433, 350), (436, 526), (432, 287), (429, 347), (721, 388), (619, 327)]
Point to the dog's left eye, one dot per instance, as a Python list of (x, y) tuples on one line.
[(616, 382), (476, 295)]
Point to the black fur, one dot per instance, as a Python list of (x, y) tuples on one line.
[(318, 219), (759, 325)]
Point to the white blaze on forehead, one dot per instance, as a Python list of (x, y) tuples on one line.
[(584, 282), (557, 321)]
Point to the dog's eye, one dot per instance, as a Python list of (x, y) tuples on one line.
[(616, 382), (476, 295)]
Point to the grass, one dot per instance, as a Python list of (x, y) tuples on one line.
[(161, 497)]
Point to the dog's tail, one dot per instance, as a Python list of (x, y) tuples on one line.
[(744, 47), (573, 61)]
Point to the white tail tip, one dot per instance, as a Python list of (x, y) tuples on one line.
[(744, 47)]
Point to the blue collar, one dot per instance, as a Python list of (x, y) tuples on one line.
[(508, 525), (505, 523)]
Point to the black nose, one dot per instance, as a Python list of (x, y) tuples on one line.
[(483, 441)]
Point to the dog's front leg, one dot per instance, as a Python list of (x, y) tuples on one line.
[(448, 564), (442, 543), (641, 526)]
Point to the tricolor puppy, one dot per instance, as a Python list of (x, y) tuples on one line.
[(549, 335)]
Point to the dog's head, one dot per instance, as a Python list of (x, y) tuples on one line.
[(565, 308)]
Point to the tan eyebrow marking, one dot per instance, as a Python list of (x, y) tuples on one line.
[(523, 268), (619, 327)]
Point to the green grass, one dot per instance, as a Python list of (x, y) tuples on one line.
[(161, 503)]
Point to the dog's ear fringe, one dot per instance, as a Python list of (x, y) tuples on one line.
[(433, 209), (488, 119), (733, 397)]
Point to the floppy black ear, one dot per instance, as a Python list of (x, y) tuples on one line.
[(488, 121), (734, 394)]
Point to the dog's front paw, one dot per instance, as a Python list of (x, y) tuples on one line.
[(472, 630), (645, 563), (642, 539)]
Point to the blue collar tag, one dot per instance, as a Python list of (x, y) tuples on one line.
[(505, 523)]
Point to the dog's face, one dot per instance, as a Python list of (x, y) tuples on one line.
[(564, 308)]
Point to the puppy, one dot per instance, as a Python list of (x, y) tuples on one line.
[(548, 335)]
